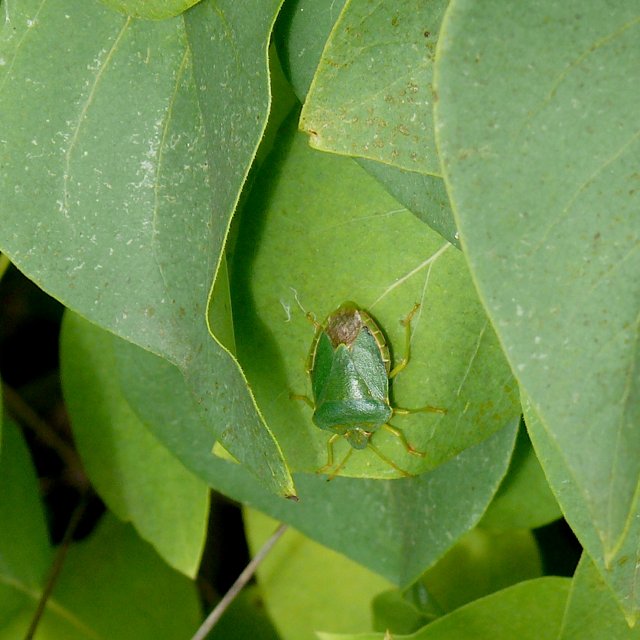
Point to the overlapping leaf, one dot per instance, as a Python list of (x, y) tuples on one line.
[(118, 200), (112, 585), (134, 474), (543, 180), (301, 34), (371, 94), (530, 610), (592, 612)]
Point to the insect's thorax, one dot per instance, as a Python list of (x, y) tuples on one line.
[(349, 374), (343, 327)]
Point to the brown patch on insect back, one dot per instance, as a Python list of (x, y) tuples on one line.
[(344, 326)]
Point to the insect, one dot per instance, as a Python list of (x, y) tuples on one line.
[(350, 369)]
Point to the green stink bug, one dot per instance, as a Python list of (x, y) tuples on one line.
[(350, 368)]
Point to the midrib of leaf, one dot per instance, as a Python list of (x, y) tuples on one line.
[(83, 112), (431, 259), (52, 606), (474, 355), (161, 147), (28, 30)]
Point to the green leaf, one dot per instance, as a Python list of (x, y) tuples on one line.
[(317, 231), (25, 553), (135, 475), (528, 611), (111, 586), (544, 191), (524, 500), (422, 194), (592, 612), (301, 32), (621, 573), (306, 586), (118, 202), (118, 587), (395, 613), (454, 496), (371, 95), (300, 35), (150, 9), (482, 562)]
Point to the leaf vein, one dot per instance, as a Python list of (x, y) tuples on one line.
[(83, 114)]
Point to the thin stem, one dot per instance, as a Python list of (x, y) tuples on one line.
[(26, 416), (237, 586), (56, 567)]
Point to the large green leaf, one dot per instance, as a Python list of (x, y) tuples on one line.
[(134, 474), (118, 201), (115, 586), (112, 585), (25, 553), (592, 612), (528, 611), (306, 587), (537, 131), (371, 95), (408, 539), (317, 231), (301, 33)]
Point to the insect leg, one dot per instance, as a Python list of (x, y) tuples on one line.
[(329, 464), (334, 473), (390, 462), (399, 411), (312, 319), (400, 435), (407, 343)]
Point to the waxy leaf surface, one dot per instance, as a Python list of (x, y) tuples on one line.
[(125, 145), (134, 474), (537, 129), (301, 33), (371, 95)]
